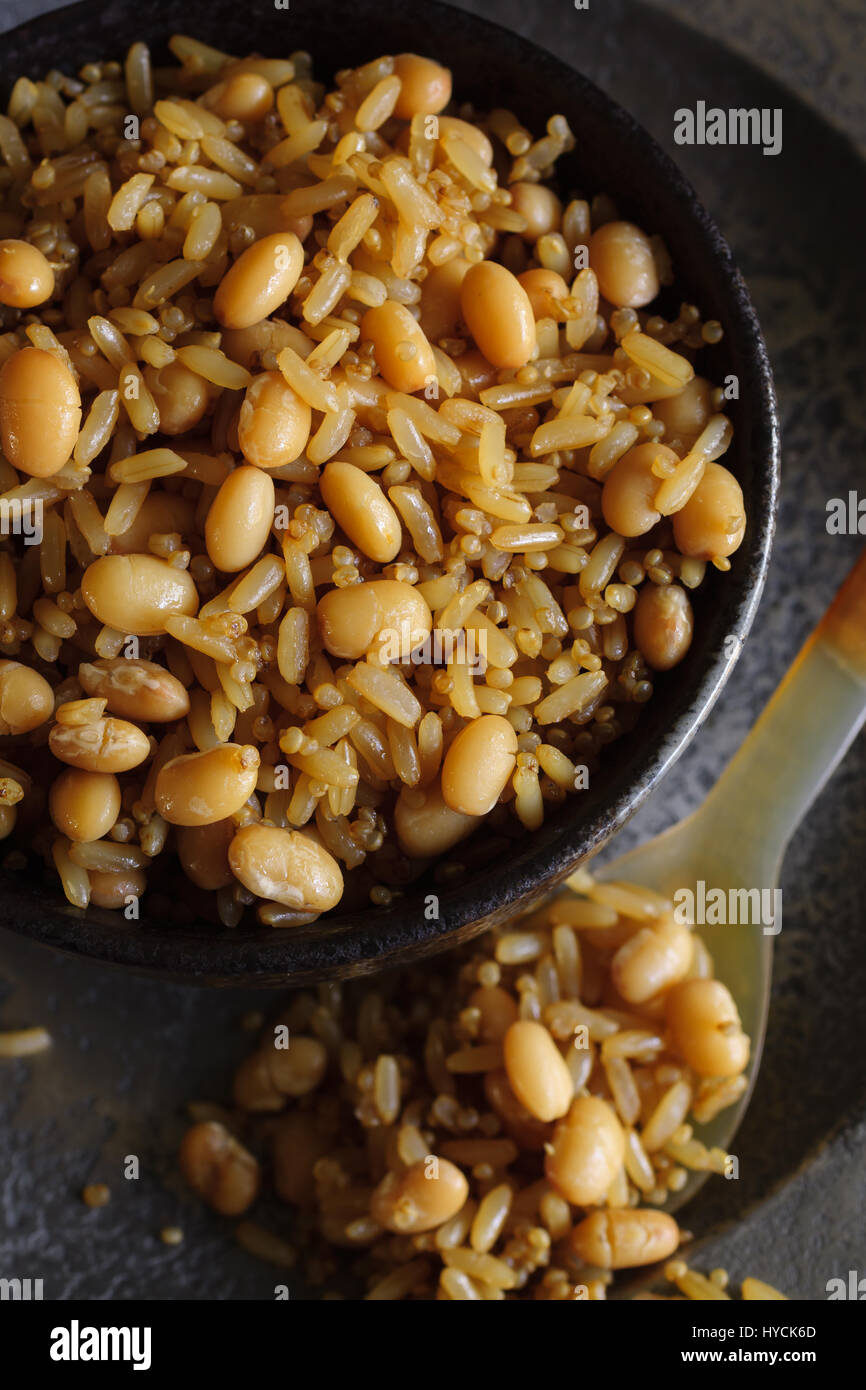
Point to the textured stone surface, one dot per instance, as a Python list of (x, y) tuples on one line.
[(128, 1053)]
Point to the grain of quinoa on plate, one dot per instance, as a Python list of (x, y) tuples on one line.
[(371, 486)]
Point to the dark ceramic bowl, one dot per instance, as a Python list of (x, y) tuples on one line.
[(491, 67)]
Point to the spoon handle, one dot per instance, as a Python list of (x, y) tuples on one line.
[(799, 738)]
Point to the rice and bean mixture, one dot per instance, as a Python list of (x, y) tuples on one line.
[(505, 1123), (372, 488)]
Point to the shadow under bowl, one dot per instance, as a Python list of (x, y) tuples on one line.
[(492, 67)]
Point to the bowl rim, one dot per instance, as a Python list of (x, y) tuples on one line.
[(365, 941)]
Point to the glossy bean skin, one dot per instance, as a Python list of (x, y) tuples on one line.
[(630, 487), (430, 829), (403, 355), (253, 1088), (712, 523), (106, 745), (274, 423), (441, 313), (160, 513), (546, 290), (425, 86), (478, 765), (26, 278), (181, 396), (240, 519), (705, 1028), (40, 412), (267, 1076), (425, 1196), (653, 959), (286, 866), (539, 205), (246, 345), (587, 1151), (26, 698), (135, 689), (498, 313), (219, 1168), (685, 414), (200, 788), (536, 1071), (245, 97), (352, 619), (498, 1009), (8, 818), (523, 1128), (203, 851), (261, 279), (296, 1146), (113, 890), (625, 1239), (476, 371), (136, 593), (361, 508), (622, 258), (663, 625), (298, 1069), (84, 805)]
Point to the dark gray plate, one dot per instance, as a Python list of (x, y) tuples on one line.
[(129, 1052)]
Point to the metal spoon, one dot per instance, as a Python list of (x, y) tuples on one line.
[(738, 837)]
